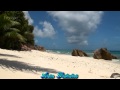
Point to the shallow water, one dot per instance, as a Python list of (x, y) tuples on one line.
[(89, 52)]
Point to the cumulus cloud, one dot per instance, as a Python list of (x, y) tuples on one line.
[(27, 16), (47, 31), (77, 24)]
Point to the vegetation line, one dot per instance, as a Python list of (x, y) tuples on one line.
[(15, 30)]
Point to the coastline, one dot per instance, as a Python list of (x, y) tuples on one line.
[(88, 52), (23, 64)]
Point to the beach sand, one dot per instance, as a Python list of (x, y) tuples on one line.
[(24, 64)]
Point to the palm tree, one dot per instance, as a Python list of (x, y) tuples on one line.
[(15, 30), (26, 30), (10, 37)]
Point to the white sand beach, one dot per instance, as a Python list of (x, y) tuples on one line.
[(24, 64)]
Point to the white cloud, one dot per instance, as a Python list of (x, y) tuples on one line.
[(47, 32), (27, 16), (77, 24)]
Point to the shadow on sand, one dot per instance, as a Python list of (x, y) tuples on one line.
[(9, 55), (21, 66)]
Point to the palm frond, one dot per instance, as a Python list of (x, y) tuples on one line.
[(21, 38), (13, 29), (14, 35), (13, 23), (6, 22)]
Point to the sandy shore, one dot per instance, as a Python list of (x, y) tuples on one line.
[(31, 65)]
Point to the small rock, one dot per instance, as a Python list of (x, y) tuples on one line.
[(115, 75)]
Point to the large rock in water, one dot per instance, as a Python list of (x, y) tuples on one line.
[(77, 52), (103, 53)]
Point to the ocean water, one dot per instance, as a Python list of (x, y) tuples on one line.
[(89, 52), (60, 51)]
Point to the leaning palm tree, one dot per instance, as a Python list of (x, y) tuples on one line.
[(13, 39), (10, 37)]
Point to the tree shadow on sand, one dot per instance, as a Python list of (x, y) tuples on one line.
[(9, 55), (21, 66)]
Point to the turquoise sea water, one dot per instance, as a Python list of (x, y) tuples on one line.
[(89, 52)]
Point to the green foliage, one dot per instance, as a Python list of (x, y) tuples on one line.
[(15, 30)]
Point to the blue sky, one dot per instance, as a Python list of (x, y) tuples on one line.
[(85, 30)]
